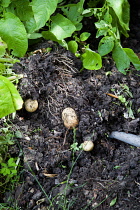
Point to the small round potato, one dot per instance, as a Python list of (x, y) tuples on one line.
[(69, 117), (31, 105), (88, 146)]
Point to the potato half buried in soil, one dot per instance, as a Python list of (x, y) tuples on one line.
[(31, 105), (88, 146), (70, 118)]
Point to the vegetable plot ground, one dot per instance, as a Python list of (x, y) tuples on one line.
[(107, 176), (56, 173)]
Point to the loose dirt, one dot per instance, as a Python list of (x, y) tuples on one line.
[(51, 171)]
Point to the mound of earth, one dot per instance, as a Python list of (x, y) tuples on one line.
[(56, 177)]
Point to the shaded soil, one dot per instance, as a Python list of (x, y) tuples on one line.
[(111, 170)]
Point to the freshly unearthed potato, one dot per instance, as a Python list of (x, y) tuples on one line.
[(88, 146), (69, 117), (31, 105)]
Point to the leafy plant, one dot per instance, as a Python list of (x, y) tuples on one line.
[(8, 169), (57, 21), (10, 100), (22, 21), (6, 139), (74, 147), (113, 20), (121, 95), (9, 166)]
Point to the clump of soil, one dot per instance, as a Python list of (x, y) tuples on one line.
[(111, 169)]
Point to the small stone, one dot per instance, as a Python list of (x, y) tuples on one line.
[(65, 189), (37, 195)]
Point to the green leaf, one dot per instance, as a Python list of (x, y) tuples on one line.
[(30, 25), (13, 32), (34, 36), (101, 24), (42, 10), (74, 12), (62, 27), (5, 3), (49, 36), (102, 27), (113, 202), (106, 45), (2, 68), (10, 100), (117, 167), (133, 57), (23, 11), (11, 162), (122, 11), (91, 60), (122, 99), (3, 46), (84, 36), (72, 46), (13, 172), (120, 57)]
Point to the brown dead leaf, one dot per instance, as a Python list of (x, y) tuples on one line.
[(50, 175)]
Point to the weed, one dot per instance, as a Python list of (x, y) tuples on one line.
[(9, 166), (117, 167), (113, 202), (122, 94), (74, 147), (9, 169)]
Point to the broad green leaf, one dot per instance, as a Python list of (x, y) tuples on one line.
[(133, 57), (84, 36), (42, 10), (13, 32), (62, 27), (113, 202), (108, 17), (122, 10), (50, 36), (91, 60), (22, 10), (5, 3), (106, 45), (74, 13), (10, 100), (120, 57), (3, 47), (30, 25), (34, 36), (72, 46)]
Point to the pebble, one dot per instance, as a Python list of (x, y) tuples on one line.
[(37, 195), (65, 189)]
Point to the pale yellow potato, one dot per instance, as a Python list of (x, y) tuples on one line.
[(88, 146), (31, 105), (69, 117)]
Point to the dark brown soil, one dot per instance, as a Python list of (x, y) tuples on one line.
[(76, 180)]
